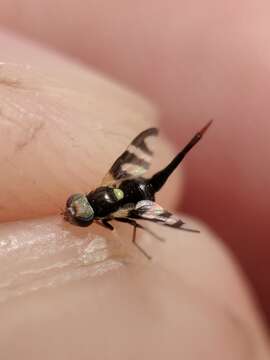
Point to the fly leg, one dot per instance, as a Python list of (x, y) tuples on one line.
[(135, 226), (137, 245), (105, 223)]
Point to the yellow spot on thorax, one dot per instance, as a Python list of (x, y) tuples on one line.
[(118, 194)]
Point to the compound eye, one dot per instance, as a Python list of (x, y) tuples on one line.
[(80, 208), (70, 200)]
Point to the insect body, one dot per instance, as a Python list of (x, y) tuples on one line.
[(125, 195)]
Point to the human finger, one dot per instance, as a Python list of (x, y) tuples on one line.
[(61, 132), (94, 288)]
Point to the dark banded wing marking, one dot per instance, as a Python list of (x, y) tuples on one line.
[(151, 211), (134, 162)]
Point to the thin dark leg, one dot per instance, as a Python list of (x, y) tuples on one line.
[(137, 245), (135, 226), (150, 232), (105, 224), (133, 222)]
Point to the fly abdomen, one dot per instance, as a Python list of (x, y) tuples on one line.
[(136, 190)]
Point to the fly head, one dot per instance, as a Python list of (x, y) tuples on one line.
[(78, 210)]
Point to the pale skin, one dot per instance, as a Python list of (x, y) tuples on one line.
[(190, 302)]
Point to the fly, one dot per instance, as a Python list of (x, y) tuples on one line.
[(125, 195)]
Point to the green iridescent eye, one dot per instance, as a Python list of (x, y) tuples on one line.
[(118, 194), (81, 207)]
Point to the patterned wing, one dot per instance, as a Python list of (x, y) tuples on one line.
[(151, 211), (124, 211), (134, 162)]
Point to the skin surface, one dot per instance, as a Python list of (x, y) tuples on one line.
[(69, 293), (197, 60)]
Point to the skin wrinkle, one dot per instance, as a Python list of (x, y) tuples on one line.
[(48, 114), (49, 253), (17, 77), (10, 83), (5, 117), (30, 131), (29, 136), (23, 247)]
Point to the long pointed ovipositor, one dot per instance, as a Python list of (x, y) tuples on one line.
[(159, 179)]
